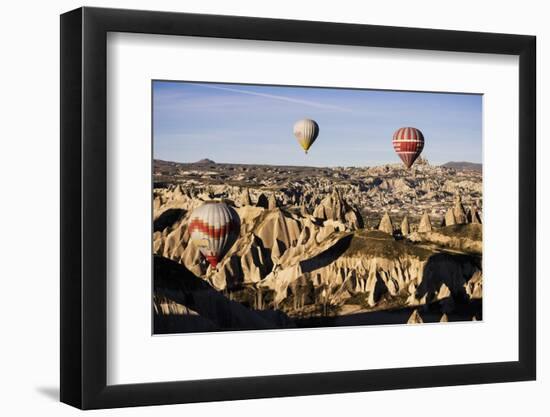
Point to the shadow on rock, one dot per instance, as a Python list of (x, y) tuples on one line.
[(453, 271), (167, 219), (215, 311), (328, 256)]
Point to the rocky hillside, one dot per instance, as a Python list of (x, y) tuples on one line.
[(370, 191), (322, 259)]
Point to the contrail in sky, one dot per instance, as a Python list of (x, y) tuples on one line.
[(278, 97)]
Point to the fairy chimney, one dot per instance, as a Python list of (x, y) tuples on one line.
[(245, 198), (459, 212), (450, 217), (405, 229), (415, 318), (386, 224), (475, 216), (425, 223), (272, 202)]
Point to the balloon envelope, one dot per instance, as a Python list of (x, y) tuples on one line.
[(408, 142), (213, 228), (306, 131)]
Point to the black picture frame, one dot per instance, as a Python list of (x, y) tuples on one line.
[(84, 207)]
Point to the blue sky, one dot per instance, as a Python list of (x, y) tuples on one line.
[(252, 124)]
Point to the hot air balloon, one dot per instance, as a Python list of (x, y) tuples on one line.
[(306, 131), (213, 228), (408, 142)]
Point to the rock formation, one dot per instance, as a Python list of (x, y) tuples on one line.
[(386, 224), (305, 237), (245, 198), (444, 291), (450, 217), (333, 207), (474, 286), (459, 212), (415, 318), (366, 189), (425, 224), (405, 229), (473, 216), (272, 202), (165, 306), (467, 239)]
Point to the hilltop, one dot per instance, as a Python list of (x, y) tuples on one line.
[(205, 161), (464, 166)]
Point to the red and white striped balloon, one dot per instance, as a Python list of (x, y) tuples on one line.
[(213, 228), (408, 142)]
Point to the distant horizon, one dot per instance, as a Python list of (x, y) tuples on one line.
[(253, 124), (310, 166)]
